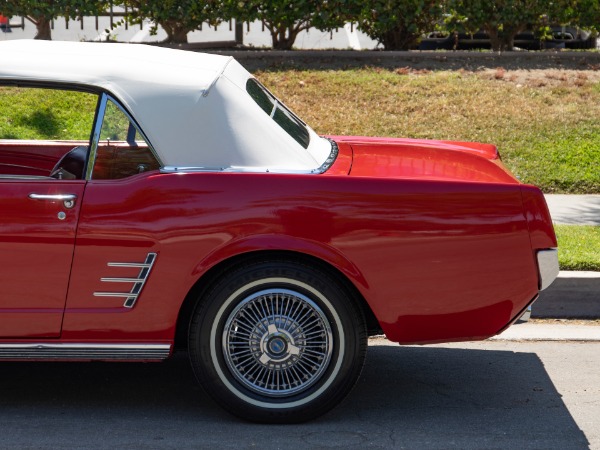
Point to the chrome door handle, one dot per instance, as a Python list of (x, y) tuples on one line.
[(67, 199)]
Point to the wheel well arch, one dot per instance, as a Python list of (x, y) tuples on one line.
[(214, 273)]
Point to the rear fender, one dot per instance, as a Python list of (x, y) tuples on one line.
[(538, 218), (283, 243)]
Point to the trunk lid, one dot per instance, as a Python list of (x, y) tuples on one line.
[(426, 159)]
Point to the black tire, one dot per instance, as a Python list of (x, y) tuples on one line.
[(277, 342)]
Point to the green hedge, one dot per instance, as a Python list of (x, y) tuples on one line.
[(396, 24)]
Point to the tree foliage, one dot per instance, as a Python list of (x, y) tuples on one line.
[(502, 20), (581, 13), (42, 12), (176, 17), (285, 19), (398, 24)]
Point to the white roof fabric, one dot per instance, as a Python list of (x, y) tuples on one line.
[(193, 107)]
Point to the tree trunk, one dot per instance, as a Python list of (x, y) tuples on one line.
[(398, 38), (283, 37), (176, 33), (494, 39), (43, 30), (239, 32), (509, 36), (503, 41)]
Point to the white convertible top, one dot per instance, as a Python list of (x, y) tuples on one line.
[(193, 107)]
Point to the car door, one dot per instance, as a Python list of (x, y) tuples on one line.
[(37, 235), (44, 134), (115, 249)]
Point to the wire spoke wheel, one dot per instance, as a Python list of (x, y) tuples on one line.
[(277, 342)]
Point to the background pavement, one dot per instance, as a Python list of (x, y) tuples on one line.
[(574, 209)]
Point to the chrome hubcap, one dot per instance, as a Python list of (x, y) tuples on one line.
[(277, 342)]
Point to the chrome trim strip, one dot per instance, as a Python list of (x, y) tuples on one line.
[(134, 265), (25, 177), (114, 294), (138, 283), (122, 280), (190, 169), (96, 136), (547, 260), (57, 197), (175, 169), (85, 351)]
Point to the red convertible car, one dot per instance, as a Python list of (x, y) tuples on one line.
[(155, 199)]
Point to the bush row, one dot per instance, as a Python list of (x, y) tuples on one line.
[(396, 24)]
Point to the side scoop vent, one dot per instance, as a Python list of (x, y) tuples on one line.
[(137, 284)]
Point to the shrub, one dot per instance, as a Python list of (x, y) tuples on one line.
[(42, 12), (398, 24), (176, 17)]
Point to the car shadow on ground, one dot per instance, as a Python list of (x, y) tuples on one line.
[(569, 297), (413, 397)]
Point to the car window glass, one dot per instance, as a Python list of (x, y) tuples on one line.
[(45, 132), (260, 96), (122, 150), (279, 112), (115, 125)]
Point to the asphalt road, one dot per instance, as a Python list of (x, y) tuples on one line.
[(471, 396)]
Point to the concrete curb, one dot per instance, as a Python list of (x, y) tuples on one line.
[(255, 59), (550, 332)]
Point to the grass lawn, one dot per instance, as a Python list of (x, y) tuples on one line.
[(547, 130), (33, 113), (578, 247)]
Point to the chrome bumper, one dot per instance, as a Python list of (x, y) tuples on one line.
[(547, 260)]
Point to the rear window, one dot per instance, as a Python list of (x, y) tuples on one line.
[(278, 112)]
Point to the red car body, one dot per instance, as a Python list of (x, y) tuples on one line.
[(436, 240)]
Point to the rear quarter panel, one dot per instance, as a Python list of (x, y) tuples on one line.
[(436, 261)]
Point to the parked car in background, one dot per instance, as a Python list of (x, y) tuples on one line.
[(157, 199), (561, 37), (4, 24)]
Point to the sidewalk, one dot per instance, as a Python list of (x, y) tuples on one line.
[(574, 209), (532, 331)]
